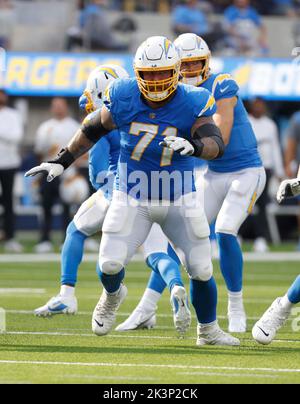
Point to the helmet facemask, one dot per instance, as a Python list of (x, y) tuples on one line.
[(158, 90), (98, 81), (89, 106), (197, 76)]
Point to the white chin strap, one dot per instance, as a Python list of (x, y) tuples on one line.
[(158, 96), (192, 81)]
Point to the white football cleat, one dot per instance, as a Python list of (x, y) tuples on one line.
[(13, 246), (213, 335), (58, 305), (237, 322), (138, 320), (260, 245), (181, 312), (105, 312), (44, 247), (265, 330)]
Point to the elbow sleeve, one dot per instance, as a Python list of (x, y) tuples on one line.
[(92, 127), (208, 131)]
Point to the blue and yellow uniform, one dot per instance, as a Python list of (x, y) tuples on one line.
[(142, 128), (103, 162), (241, 152)]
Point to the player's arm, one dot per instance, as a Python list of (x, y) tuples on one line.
[(95, 126), (206, 141), (224, 117)]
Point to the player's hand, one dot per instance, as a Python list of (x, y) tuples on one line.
[(179, 145), (53, 170), (288, 189)]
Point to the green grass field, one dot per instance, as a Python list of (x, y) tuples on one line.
[(63, 349)]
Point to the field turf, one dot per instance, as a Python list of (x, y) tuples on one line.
[(63, 349)]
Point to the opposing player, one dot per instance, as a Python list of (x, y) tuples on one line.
[(265, 330), (232, 183), (152, 111), (103, 160)]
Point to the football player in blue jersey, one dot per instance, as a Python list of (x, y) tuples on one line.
[(90, 216), (162, 124), (103, 160), (265, 330), (233, 183)]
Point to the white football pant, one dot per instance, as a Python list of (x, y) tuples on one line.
[(128, 223), (91, 214), (230, 197), (90, 217)]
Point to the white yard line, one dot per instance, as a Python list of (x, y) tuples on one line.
[(150, 365), (248, 257), (109, 377), (209, 374), (21, 291)]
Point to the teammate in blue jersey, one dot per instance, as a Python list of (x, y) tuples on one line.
[(90, 216), (232, 183), (265, 330), (103, 161), (161, 124)]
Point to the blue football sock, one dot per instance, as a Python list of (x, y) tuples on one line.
[(231, 261), (294, 292), (111, 283), (168, 269), (72, 253), (172, 254), (156, 282), (213, 235), (204, 298)]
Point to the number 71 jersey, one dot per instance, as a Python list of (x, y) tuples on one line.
[(144, 166)]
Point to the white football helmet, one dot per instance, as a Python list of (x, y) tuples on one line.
[(157, 53), (97, 83), (193, 49)]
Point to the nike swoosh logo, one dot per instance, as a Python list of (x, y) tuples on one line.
[(58, 308), (224, 89), (99, 324), (267, 335)]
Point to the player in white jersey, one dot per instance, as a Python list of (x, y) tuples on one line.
[(232, 183), (149, 112), (265, 330)]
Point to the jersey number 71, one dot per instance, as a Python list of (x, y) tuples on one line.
[(150, 133)]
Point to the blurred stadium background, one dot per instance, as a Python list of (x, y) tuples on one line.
[(50, 47)]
